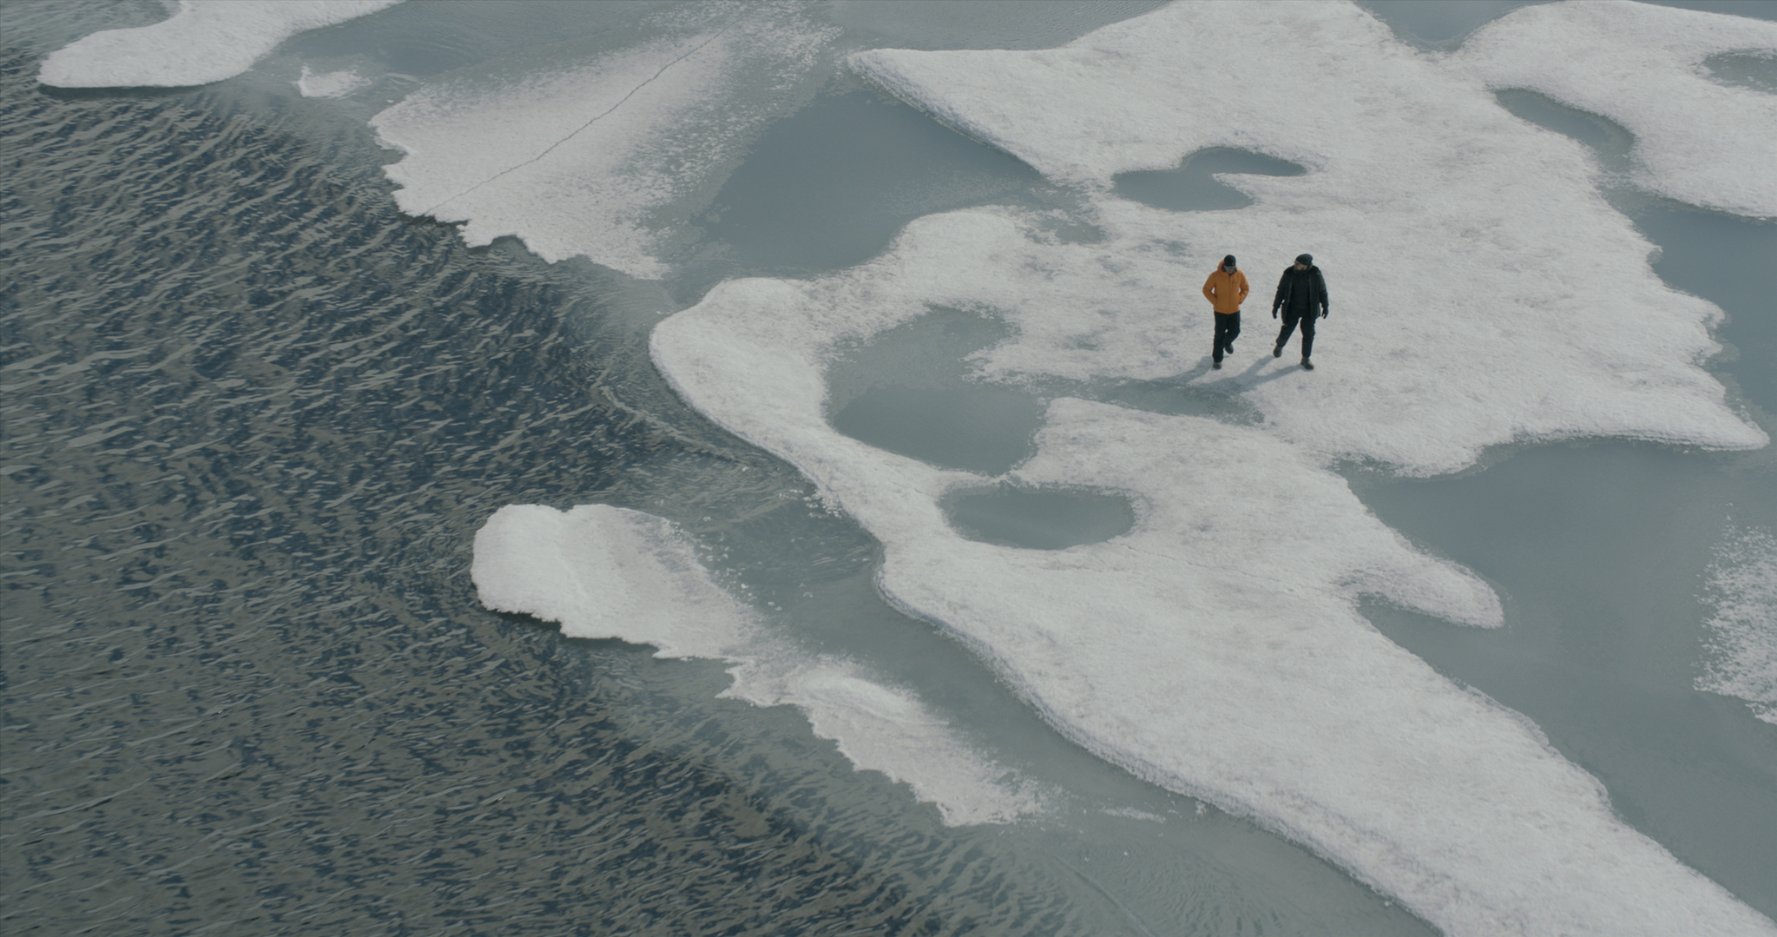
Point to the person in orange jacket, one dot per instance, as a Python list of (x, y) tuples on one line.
[(1225, 289)]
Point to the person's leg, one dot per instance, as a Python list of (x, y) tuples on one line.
[(1233, 331), (1308, 335), (1283, 334), (1221, 337)]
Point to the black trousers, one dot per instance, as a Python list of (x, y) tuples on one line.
[(1307, 319), (1227, 330)]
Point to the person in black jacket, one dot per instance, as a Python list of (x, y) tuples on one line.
[(1302, 298)]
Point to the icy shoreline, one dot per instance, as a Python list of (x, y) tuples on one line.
[(1216, 649), (203, 42), (605, 572)]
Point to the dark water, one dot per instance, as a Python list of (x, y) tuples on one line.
[(1755, 70), (1193, 186), (1038, 518), (980, 24), (1755, 9), (1439, 24), (1601, 551), (1444, 24), (252, 419), (829, 186), (908, 391), (976, 429)]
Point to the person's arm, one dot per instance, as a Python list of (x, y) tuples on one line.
[(1209, 291), (1283, 289), (1322, 280), (1240, 277)]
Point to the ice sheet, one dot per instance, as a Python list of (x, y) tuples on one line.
[(605, 572), (1217, 648), (204, 41), (1741, 659), (1696, 140), (574, 161), (329, 84), (1481, 288)]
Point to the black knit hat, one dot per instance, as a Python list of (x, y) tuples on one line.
[(1305, 259), (1228, 261)]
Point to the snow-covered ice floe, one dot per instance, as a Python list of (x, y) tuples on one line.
[(1489, 295), (1741, 659), (204, 41), (337, 84), (1217, 648), (574, 161), (605, 572), (1488, 290), (1696, 140)]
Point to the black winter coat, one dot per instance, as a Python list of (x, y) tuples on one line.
[(1301, 292)]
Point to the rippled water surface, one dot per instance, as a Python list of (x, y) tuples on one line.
[(253, 416)]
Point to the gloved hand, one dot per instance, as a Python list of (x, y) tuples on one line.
[(1274, 312), (1323, 313)]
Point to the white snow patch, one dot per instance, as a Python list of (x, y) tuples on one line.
[(1133, 813), (1741, 658), (1478, 281), (575, 162), (1696, 140), (329, 84), (204, 41), (888, 729), (1217, 648), (605, 572)]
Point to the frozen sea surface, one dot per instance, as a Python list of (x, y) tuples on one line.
[(255, 418), (201, 42)]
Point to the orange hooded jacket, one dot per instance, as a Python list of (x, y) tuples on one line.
[(1225, 291)]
